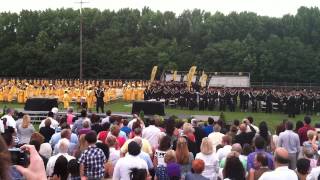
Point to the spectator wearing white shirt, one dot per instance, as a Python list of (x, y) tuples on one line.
[(124, 165), (136, 118), (55, 111), (281, 171), (314, 174), (160, 152), (211, 168), (63, 147), (114, 154), (1, 126), (54, 124), (10, 121), (216, 137), (107, 118), (143, 155), (226, 149), (152, 133)]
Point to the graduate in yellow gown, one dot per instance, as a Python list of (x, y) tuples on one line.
[(140, 94), (42, 91), (1, 95), (66, 100), (125, 94), (113, 94), (90, 99), (135, 94), (10, 95), (20, 97), (26, 94), (5, 94), (106, 97), (37, 91), (129, 94), (60, 94)]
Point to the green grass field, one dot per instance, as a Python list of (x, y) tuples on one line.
[(271, 119)]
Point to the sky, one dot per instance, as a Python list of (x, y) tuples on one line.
[(273, 8)]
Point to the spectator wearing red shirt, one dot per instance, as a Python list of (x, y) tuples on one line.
[(302, 132)]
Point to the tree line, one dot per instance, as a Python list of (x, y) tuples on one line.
[(127, 43)]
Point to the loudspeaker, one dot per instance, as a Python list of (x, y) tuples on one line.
[(149, 108)]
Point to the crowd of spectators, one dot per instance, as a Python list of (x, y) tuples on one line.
[(90, 147)]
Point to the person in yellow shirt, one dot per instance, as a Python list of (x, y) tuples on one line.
[(145, 144)]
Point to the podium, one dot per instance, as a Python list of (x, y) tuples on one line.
[(148, 107), (40, 104)]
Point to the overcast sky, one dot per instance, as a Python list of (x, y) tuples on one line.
[(275, 8)]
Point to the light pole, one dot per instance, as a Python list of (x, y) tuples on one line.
[(81, 22)]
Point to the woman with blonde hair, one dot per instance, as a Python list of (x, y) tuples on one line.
[(184, 157), (188, 134), (211, 168), (25, 130)]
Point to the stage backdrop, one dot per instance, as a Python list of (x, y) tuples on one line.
[(229, 81)]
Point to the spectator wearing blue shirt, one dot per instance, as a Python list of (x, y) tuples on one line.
[(57, 136), (259, 144), (125, 127), (209, 129)]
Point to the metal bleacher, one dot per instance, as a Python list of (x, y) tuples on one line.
[(38, 116)]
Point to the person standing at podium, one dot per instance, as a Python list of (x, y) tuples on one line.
[(99, 96)]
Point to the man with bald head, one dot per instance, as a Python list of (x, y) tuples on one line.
[(282, 171), (245, 137)]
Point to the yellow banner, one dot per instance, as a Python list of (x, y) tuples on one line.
[(153, 73), (190, 75), (174, 76), (203, 79)]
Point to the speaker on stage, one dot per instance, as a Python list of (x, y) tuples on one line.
[(149, 108)]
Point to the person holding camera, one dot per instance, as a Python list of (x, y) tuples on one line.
[(245, 137)]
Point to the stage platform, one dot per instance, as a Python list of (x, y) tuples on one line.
[(38, 116)]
